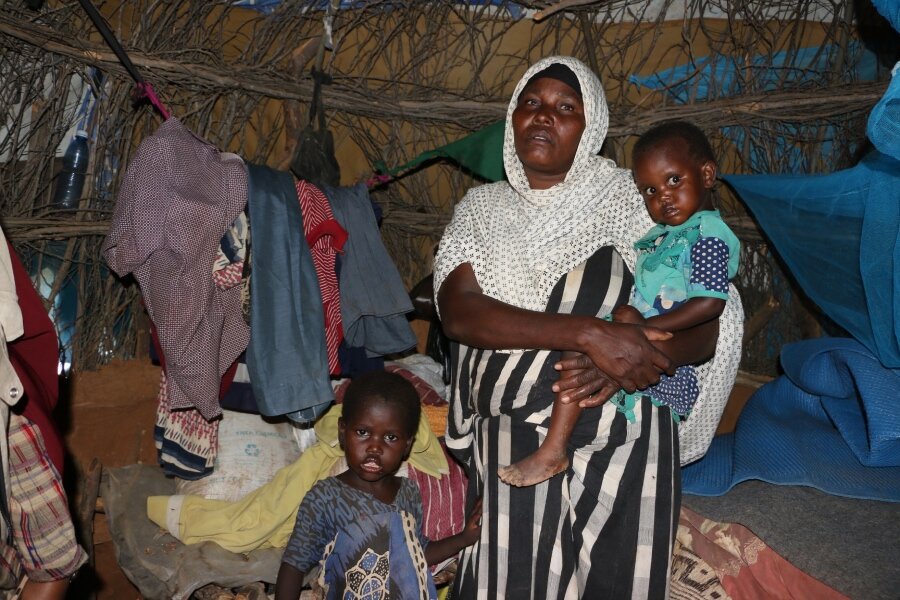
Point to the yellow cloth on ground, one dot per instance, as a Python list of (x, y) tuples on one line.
[(265, 517)]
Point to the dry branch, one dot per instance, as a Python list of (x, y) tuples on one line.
[(237, 78), (787, 105)]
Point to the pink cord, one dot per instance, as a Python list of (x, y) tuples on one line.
[(145, 89), (377, 179)]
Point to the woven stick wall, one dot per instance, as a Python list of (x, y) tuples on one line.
[(408, 76)]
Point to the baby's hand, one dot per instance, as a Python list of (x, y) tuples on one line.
[(471, 533), (628, 314)]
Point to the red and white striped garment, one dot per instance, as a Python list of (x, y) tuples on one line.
[(44, 545), (326, 238)]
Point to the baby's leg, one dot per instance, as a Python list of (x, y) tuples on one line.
[(550, 458)]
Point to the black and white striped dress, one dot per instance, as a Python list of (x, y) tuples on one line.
[(602, 529)]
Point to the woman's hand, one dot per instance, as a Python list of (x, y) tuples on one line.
[(580, 381), (622, 352), (616, 356)]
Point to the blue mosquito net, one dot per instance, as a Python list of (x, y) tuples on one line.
[(838, 235)]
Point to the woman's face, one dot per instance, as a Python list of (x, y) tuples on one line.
[(547, 125)]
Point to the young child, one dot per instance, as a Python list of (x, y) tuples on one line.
[(363, 527), (681, 277)]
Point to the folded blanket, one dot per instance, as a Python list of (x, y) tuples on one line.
[(830, 422)]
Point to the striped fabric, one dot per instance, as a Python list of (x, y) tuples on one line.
[(443, 500), (44, 544), (326, 238), (604, 528), (186, 443)]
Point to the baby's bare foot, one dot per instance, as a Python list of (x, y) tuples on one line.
[(533, 469)]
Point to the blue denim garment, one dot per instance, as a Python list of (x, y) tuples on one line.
[(374, 301), (286, 358)]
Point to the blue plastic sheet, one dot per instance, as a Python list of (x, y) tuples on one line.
[(890, 10), (721, 76)]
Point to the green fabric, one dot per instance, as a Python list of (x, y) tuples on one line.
[(649, 277), (265, 517), (480, 152)]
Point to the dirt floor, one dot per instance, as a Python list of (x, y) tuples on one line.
[(109, 415)]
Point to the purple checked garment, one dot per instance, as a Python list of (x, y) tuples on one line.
[(179, 196)]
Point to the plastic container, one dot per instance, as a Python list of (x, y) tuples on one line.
[(70, 181)]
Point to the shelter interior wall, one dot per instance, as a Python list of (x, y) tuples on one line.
[(405, 81)]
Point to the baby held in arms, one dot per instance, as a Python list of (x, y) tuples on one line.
[(681, 278)]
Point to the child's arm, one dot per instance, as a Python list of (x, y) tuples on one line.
[(693, 312), (628, 314), (710, 259), (289, 583), (439, 550)]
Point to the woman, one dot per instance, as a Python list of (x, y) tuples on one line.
[(536, 263)]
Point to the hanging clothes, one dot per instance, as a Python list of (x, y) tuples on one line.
[(239, 395), (287, 358), (186, 443), (178, 198), (325, 238), (374, 301), (10, 385)]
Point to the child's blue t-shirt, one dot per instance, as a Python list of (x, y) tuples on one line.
[(360, 542)]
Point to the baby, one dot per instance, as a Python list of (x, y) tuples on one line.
[(363, 527), (681, 277)]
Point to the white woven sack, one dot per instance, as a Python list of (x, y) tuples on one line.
[(251, 451)]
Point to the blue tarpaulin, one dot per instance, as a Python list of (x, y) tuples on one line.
[(720, 76), (830, 422)]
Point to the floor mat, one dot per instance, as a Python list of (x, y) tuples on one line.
[(849, 544), (743, 565)]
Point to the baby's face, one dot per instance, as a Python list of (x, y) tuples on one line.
[(674, 185)]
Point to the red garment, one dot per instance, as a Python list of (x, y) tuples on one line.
[(35, 357), (744, 565), (325, 238)]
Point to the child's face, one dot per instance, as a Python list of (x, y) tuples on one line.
[(375, 441), (674, 185)]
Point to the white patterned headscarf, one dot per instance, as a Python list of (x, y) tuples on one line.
[(520, 241)]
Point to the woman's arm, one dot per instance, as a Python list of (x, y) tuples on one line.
[(622, 352), (581, 381)]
